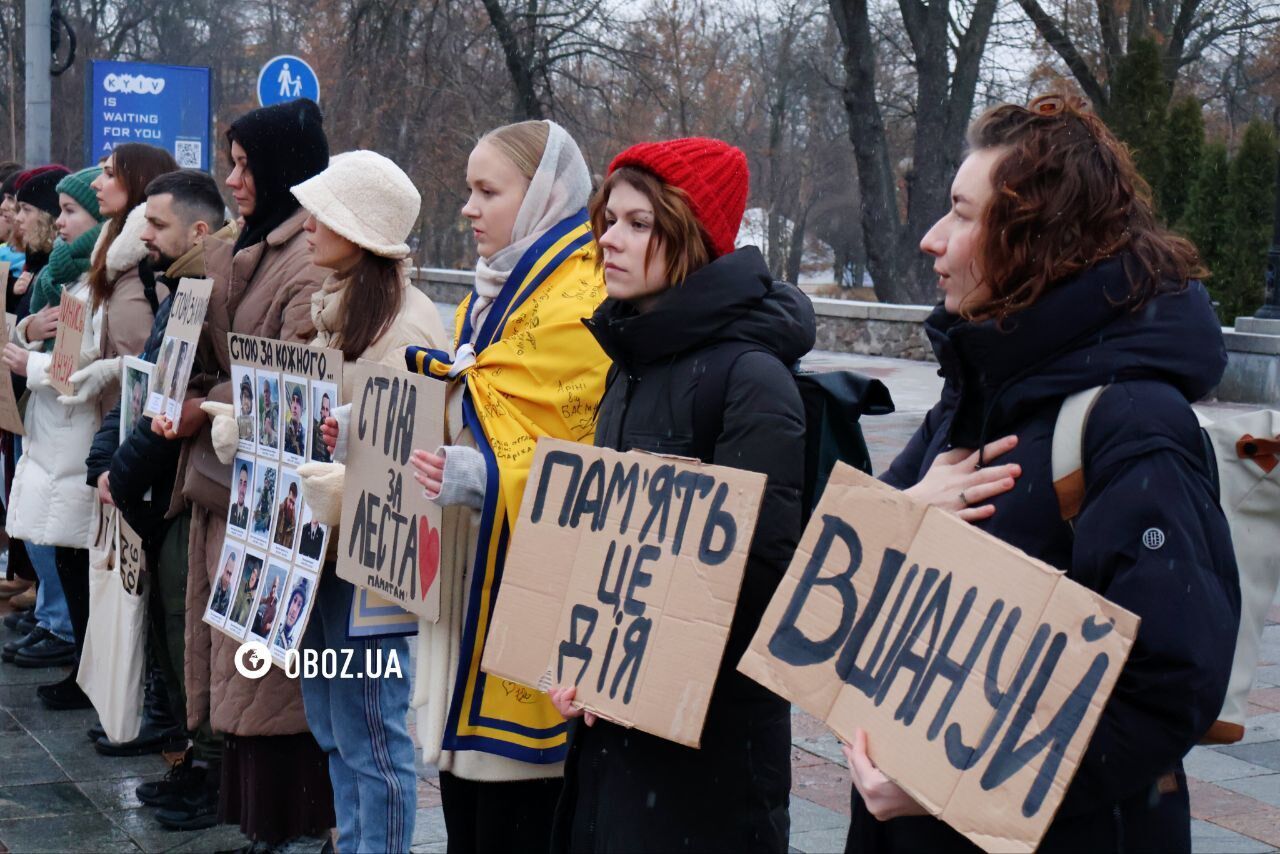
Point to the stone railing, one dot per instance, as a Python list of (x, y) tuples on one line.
[(847, 326), (897, 331)]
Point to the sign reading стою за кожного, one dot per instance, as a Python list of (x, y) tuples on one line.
[(162, 105)]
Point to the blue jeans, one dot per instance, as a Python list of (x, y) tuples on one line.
[(361, 724), (51, 604)]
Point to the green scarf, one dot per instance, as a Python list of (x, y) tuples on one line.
[(67, 262)]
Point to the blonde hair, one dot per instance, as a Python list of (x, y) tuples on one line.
[(522, 143), (38, 237)]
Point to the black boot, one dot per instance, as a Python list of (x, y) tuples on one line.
[(64, 695), (182, 780), (198, 810), (159, 732)]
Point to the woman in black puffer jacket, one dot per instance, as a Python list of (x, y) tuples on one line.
[(665, 221), (1057, 279)]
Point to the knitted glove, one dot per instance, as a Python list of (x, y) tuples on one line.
[(322, 490), (465, 477), (342, 415), (91, 381), (225, 433)]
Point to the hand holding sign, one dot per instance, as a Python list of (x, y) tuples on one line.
[(978, 672), (621, 582), (884, 798), (15, 359)]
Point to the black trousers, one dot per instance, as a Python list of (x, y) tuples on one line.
[(494, 818), (73, 573)]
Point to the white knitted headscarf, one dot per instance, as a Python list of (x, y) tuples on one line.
[(560, 187)]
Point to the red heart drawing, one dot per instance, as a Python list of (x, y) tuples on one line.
[(428, 554)]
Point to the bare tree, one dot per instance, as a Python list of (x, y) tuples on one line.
[(946, 52), (1093, 46)]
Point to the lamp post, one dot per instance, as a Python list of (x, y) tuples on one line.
[(39, 86), (1270, 309)]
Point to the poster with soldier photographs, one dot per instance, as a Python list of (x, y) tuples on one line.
[(168, 386), (264, 585)]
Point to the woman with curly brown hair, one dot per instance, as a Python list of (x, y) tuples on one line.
[(1058, 279)]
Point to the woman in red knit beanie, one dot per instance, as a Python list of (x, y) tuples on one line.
[(684, 304)]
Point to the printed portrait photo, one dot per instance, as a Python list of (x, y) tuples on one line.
[(264, 498), (270, 601), (224, 585), (246, 418), (268, 413), (163, 369), (297, 425), (288, 506), (135, 384), (297, 607), (241, 502), (324, 399), (246, 592), (311, 541)]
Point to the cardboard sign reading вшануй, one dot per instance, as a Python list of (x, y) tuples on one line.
[(622, 579), (72, 314), (390, 541), (168, 386), (977, 672)]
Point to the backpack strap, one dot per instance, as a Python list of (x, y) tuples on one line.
[(712, 385), (148, 277), (1068, 450)]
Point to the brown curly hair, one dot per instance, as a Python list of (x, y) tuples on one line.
[(1066, 196)]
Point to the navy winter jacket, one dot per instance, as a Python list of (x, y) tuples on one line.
[(143, 461), (1145, 467)]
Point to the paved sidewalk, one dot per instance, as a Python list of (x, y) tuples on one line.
[(57, 794)]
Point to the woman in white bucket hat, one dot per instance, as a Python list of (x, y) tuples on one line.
[(362, 208)]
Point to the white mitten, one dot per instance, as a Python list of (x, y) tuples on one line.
[(322, 490), (91, 381), (226, 435)]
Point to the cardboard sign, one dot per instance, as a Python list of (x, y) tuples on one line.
[(622, 579), (73, 312), (131, 556), (10, 417), (977, 671), (265, 583), (178, 350), (390, 539)]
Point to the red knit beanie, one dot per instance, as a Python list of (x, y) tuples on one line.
[(713, 174)]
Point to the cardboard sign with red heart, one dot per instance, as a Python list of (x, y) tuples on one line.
[(390, 532)]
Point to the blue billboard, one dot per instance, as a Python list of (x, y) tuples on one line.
[(162, 105)]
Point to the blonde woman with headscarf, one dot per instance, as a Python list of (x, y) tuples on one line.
[(525, 367)]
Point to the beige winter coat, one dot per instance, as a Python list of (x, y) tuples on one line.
[(263, 290)]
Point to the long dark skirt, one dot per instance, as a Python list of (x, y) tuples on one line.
[(275, 787)]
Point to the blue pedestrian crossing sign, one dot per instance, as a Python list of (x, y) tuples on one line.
[(287, 78)]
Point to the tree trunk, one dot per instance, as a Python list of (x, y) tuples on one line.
[(944, 100), (795, 253), (528, 105)]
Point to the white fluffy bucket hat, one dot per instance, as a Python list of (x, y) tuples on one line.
[(366, 198)]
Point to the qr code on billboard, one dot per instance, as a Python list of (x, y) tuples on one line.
[(188, 153)]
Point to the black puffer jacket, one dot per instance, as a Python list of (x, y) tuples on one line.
[(627, 790), (144, 461), (1145, 467)]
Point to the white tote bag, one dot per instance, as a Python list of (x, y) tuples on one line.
[(112, 663)]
